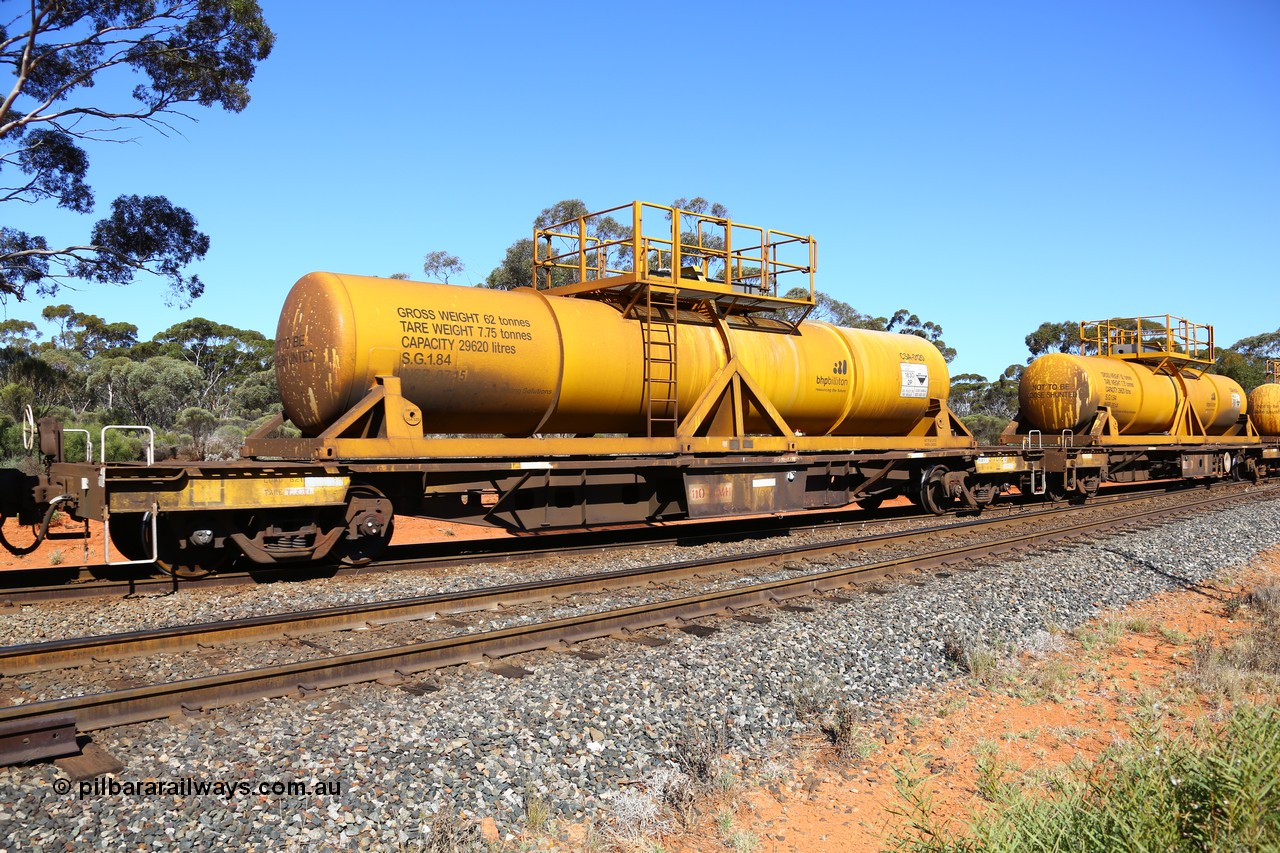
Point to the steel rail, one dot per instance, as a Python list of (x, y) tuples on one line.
[(194, 695), (81, 651)]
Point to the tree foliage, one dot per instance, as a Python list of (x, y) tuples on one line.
[(143, 392), (693, 235), (19, 333), (224, 355), (1053, 337), (972, 394), (200, 384), (200, 424), (516, 268), (201, 52), (828, 309), (986, 407), (1245, 360), (23, 378), (88, 334), (441, 265)]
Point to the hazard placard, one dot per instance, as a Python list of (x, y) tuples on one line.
[(915, 380)]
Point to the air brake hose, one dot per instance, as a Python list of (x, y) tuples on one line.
[(40, 534)]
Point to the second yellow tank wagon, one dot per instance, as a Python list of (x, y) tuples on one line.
[(1142, 390)]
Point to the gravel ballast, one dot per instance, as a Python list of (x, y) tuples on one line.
[(577, 730)]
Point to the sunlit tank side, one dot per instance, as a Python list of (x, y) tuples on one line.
[(833, 380), (480, 361), (1063, 392), (1264, 408), (1218, 400), (893, 378)]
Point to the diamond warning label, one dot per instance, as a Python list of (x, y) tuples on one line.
[(915, 380)]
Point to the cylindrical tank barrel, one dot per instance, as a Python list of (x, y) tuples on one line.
[(1063, 392), (1264, 408), (480, 361)]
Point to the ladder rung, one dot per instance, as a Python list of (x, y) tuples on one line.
[(660, 335)]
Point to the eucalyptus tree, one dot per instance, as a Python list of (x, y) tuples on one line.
[(181, 53)]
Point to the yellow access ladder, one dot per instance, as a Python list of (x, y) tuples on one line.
[(660, 329)]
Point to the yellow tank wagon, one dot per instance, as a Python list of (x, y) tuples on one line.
[(1264, 401), (651, 370), (1062, 392), (659, 366), (1141, 390)]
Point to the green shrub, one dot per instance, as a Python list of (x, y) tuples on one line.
[(1157, 793)]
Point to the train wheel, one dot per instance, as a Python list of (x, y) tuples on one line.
[(1056, 491), (1086, 487), (933, 490), (126, 535), (370, 523), (185, 546)]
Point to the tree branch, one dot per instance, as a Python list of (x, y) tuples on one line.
[(201, 52)]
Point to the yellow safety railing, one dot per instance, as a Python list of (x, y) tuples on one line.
[(654, 243), (1271, 371), (1156, 337)]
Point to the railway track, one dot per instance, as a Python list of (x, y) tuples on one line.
[(73, 584), (21, 659), (44, 728)]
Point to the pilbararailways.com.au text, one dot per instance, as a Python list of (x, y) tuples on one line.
[(190, 786)]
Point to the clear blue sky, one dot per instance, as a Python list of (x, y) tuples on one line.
[(988, 165)]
